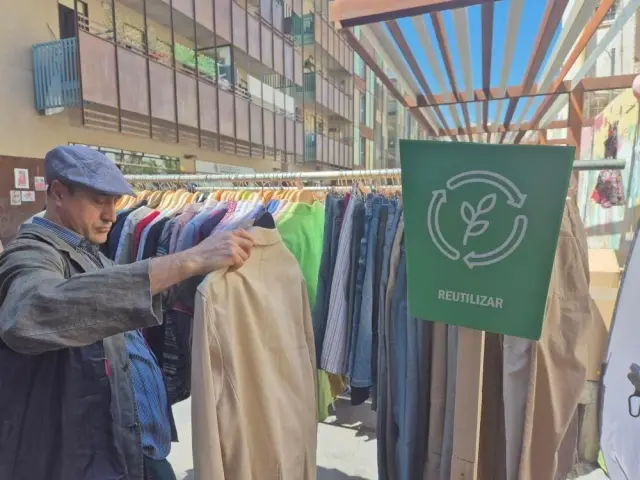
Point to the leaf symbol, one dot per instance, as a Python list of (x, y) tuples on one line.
[(487, 203), (467, 212), (478, 228)]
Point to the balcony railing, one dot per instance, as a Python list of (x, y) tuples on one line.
[(55, 74), (309, 147)]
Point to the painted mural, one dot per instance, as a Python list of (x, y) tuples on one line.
[(609, 200)]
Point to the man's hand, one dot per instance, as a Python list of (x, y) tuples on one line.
[(225, 250)]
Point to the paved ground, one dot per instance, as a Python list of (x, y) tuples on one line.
[(346, 444)]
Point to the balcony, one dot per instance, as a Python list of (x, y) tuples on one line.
[(122, 89), (55, 75), (321, 149), (328, 98)]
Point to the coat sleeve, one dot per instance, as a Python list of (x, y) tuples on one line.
[(206, 388), (41, 310)]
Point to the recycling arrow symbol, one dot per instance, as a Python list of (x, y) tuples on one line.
[(472, 216)]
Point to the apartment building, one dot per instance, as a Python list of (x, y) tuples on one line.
[(177, 85)]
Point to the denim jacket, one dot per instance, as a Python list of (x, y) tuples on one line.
[(67, 409)]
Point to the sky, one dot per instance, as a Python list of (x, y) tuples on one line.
[(532, 16)]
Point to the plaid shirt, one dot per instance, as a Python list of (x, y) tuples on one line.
[(146, 377)]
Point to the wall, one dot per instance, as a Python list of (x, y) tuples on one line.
[(26, 133), (12, 216), (613, 227)]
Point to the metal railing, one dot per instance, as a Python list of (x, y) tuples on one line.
[(56, 74)]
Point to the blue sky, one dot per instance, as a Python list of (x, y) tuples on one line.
[(532, 15)]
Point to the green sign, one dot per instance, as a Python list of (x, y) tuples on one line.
[(481, 227)]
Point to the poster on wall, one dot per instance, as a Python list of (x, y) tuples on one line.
[(16, 198), (29, 196), (21, 176), (609, 200), (39, 184)]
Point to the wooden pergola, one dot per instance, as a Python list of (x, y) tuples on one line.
[(582, 19)]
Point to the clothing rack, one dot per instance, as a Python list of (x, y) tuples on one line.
[(313, 188), (470, 359), (327, 175)]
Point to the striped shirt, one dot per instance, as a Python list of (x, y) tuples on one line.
[(146, 377), (334, 349)]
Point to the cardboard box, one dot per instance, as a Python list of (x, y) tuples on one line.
[(605, 280)]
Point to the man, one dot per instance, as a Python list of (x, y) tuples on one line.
[(81, 395)]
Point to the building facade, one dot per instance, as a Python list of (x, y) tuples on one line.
[(166, 85)]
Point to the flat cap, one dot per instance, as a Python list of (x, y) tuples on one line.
[(87, 167)]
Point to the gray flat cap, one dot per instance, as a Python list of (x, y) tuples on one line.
[(87, 167)]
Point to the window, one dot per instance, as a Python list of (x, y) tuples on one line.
[(363, 108), (67, 19), (363, 151), (139, 162)]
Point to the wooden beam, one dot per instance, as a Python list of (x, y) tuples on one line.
[(438, 26), (550, 22), (574, 130), (398, 36), (350, 13), (487, 44), (483, 95), (486, 95), (607, 83), (583, 41), (357, 47), (524, 127)]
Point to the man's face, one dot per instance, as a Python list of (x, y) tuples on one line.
[(84, 211)]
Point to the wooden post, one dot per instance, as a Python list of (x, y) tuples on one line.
[(468, 404)]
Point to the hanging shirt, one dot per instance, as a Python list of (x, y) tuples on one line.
[(253, 359)]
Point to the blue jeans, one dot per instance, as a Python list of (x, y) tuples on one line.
[(357, 302), (333, 215), (361, 338)]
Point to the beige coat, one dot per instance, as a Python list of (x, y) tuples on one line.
[(253, 383)]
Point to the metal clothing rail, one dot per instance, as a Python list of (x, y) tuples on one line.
[(313, 188), (328, 175)]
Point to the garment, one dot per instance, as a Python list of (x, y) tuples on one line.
[(151, 397), (447, 432), (359, 285), (358, 395), (375, 292), (148, 385), (85, 427), (327, 264), (180, 221), (334, 350), (609, 191), (559, 358), (140, 227), (253, 356), (302, 232), (125, 252), (158, 470), (149, 246), (362, 345), (114, 235), (211, 223), (381, 351), (437, 401), (385, 419)]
